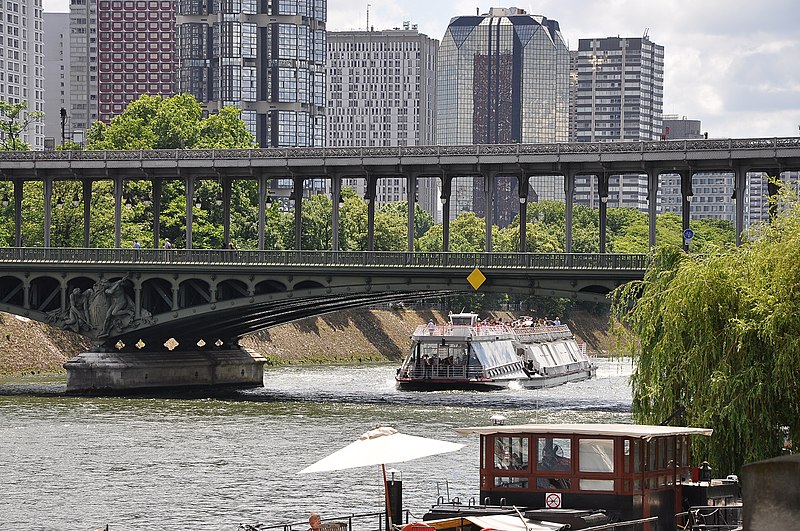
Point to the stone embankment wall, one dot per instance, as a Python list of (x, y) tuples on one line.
[(351, 336)]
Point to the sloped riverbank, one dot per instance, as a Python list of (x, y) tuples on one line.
[(348, 336)]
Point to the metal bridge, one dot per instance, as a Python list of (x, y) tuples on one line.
[(131, 299)]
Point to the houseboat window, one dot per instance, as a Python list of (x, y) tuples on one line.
[(637, 456), (511, 453), (511, 483), (596, 455), (683, 451), (626, 451), (553, 454), (553, 483)]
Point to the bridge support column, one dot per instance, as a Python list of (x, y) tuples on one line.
[(522, 182), (411, 200), (739, 185), (686, 206), (569, 193), (602, 190), (445, 199), (336, 198), (86, 189), (48, 209), (652, 190), (18, 189), (117, 211), (156, 213), (120, 371), (488, 190), (298, 212), (372, 187)]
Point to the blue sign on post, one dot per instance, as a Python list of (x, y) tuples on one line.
[(688, 234)]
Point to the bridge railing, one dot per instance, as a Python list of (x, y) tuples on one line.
[(325, 258), (722, 144)]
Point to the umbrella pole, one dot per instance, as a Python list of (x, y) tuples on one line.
[(386, 494)]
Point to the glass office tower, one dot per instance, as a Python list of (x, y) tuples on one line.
[(266, 57), (503, 78)]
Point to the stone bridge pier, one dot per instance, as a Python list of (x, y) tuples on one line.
[(232, 366)]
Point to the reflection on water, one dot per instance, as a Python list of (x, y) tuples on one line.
[(212, 463)]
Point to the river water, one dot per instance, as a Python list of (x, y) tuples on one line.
[(81, 463)]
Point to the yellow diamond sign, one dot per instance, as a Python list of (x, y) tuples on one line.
[(476, 278)]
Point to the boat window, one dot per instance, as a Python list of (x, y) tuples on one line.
[(637, 455), (553, 483), (597, 484), (626, 451), (596, 455), (511, 483), (553, 453), (511, 453), (683, 451)]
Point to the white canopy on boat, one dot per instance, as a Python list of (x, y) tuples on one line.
[(636, 431)]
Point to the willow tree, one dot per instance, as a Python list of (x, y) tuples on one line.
[(717, 336)]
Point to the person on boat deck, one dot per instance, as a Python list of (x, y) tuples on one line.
[(314, 522), (431, 327)]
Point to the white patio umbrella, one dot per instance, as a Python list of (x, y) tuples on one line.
[(379, 447)]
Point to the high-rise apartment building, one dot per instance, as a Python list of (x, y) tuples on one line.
[(620, 89), (381, 91), (82, 111), (56, 78), (22, 60), (618, 96), (119, 50), (503, 77), (266, 58), (135, 52)]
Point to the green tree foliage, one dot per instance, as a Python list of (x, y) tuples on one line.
[(155, 122), (14, 121), (717, 334)]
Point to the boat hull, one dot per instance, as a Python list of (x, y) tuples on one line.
[(535, 382)]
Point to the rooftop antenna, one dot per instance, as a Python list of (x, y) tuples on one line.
[(367, 17), (646, 33)]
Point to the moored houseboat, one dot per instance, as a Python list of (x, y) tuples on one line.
[(468, 354), (628, 472)]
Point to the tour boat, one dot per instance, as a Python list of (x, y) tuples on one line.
[(589, 475), (468, 354)]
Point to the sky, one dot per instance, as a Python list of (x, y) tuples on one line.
[(732, 64)]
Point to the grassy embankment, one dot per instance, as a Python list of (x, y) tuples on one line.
[(351, 336)]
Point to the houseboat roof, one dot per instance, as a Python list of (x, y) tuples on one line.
[(636, 431)]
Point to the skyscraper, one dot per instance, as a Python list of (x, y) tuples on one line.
[(620, 89), (266, 58), (119, 50), (618, 97), (56, 79), (22, 61), (381, 92), (503, 77)]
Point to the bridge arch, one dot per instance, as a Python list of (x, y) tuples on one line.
[(45, 293), (230, 289), (193, 292), (308, 284), (12, 290), (270, 286), (157, 295)]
